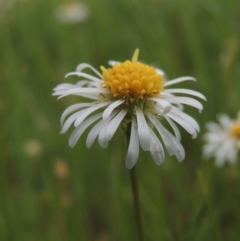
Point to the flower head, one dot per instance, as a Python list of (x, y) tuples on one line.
[(223, 139), (132, 80), (134, 95)]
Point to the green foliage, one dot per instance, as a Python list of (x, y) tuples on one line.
[(52, 192)]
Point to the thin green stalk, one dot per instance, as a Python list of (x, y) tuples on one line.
[(135, 192), (204, 186), (136, 204)]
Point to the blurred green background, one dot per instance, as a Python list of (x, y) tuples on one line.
[(51, 192)]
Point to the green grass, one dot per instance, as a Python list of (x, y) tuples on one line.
[(190, 201)]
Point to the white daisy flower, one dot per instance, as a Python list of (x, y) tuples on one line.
[(72, 12), (134, 95), (223, 140)]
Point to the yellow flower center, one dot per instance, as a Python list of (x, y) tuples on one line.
[(235, 130), (132, 79)]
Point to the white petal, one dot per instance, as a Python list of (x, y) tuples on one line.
[(232, 156), (94, 132), (86, 83), (213, 127), (222, 153), (111, 107), (178, 80), (133, 148), (76, 134), (70, 120), (186, 117), (209, 150), (156, 149), (173, 146), (88, 111), (186, 91), (175, 128), (63, 87), (215, 137), (79, 91), (73, 108), (185, 100), (113, 62), (143, 130), (87, 76), (166, 94), (83, 66), (238, 116), (114, 123), (163, 103), (159, 71), (179, 106), (89, 96), (225, 120), (189, 128), (102, 137), (68, 89)]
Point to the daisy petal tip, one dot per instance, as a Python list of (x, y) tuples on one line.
[(62, 132), (60, 97), (79, 67), (105, 115), (88, 144), (71, 144), (112, 62), (167, 109), (194, 135), (181, 160), (129, 164), (131, 161), (103, 145), (191, 78), (159, 163), (67, 75)]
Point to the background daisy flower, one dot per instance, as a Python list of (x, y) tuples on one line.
[(135, 95), (223, 139), (72, 12)]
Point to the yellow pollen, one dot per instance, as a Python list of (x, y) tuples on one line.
[(132, 79), (235, 130)]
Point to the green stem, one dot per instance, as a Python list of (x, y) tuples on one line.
[(135, 194)]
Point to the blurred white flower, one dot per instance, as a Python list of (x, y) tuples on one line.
[(33, 148), (223, 139), (6, 4), (135, 95), (72, 12), (9, 4)]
